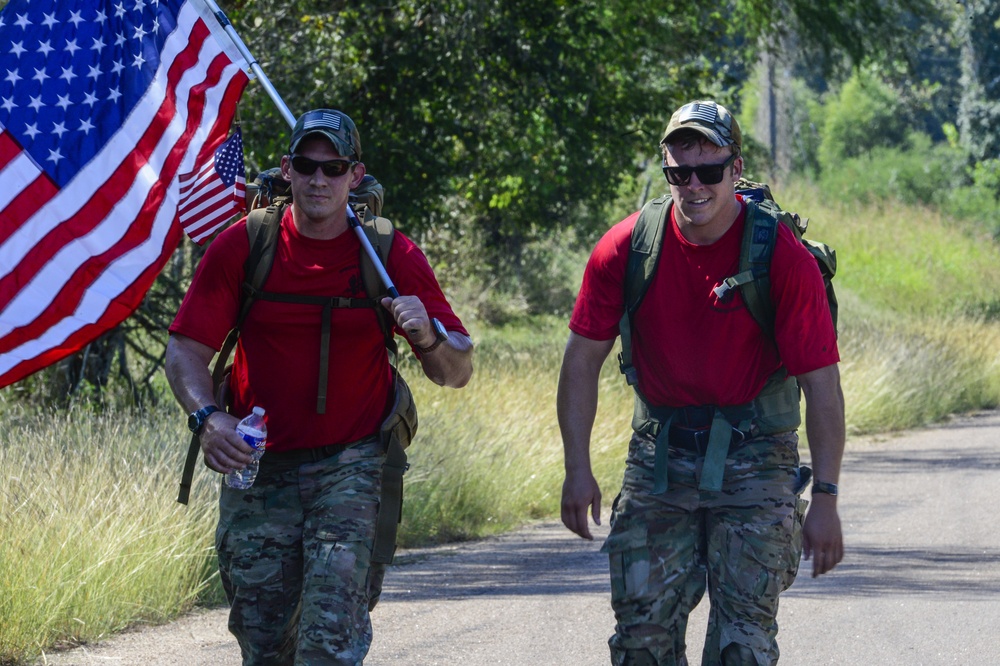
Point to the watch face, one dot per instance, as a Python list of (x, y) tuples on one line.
[(439, 330), (194, 422)]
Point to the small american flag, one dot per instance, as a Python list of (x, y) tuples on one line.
[(214, 194), (102, 106)]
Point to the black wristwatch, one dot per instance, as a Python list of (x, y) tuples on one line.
[(440, 333), (826, 488), (196, 420)]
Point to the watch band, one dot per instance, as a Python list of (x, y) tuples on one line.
[(825, 488), (196, 420), (440, 333)]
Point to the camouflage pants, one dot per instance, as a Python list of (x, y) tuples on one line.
[(743, 544), (294, 558)]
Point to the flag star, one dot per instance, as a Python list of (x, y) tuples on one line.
[(55, 156), (139, 4), (86, 126), (32, 131), (119, 39), (94, 72), (72, 47), (98, 44), (68, 74), (40, 75), (101, 17), (117, 67), (113, 95), (59, 129), (138, 61), (63, 102), (36, 103), (119, 10), (90, 99), (140, 32), (76, 19), (156, 25), (22, 21), (13, 76), (49, 20), (8, 104), (17, 48), (45, 48)]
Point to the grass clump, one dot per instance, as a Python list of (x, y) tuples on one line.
[(93, 541)]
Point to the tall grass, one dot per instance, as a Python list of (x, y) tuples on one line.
[(91, 539)]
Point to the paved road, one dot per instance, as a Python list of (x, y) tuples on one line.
[(920, 585)]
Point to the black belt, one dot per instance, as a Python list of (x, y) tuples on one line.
[(696, 439), (297, 457)]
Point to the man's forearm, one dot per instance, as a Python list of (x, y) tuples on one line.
[(451, 363), (825, 422), (186, 368)]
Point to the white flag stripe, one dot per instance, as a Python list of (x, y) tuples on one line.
[(20, 173), (24, 309)]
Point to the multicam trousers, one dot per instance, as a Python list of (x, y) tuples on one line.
[(294, 558), (743, 544)]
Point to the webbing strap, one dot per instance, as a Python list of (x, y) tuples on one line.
[(390, 511), (187, 476), (661, 457), (714, 466)]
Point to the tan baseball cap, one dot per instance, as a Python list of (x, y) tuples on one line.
[(711, 120), (334, 125)]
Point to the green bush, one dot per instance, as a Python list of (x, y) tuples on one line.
[(866, 114)]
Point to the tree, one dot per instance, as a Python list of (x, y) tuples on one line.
[(978, 30)]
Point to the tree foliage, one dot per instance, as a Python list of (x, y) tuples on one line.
[(512, 112)]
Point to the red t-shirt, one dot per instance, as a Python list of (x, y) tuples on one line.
[(276, 364), (690, 347)]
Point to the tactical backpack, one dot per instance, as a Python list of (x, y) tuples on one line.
[(263, 225), (776, 408)]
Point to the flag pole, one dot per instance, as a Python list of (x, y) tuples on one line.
[(272, 92)]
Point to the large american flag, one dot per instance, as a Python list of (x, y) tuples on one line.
[(103, 104)]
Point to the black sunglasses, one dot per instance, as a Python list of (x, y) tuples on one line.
[(331, 168), (708, 174)]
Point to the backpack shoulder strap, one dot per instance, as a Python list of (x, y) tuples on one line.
[(380, 232), (643, 257), (760, 232), (263, 225)]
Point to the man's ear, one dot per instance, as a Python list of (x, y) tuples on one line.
[(358, 174)]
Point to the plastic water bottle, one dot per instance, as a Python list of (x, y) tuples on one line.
[(254, 432)]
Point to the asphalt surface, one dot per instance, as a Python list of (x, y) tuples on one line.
[(920, 584)]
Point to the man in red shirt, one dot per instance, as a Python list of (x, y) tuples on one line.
[(295, 549), (700, 357)]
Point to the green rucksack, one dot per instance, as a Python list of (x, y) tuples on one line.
[(776, 408)]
